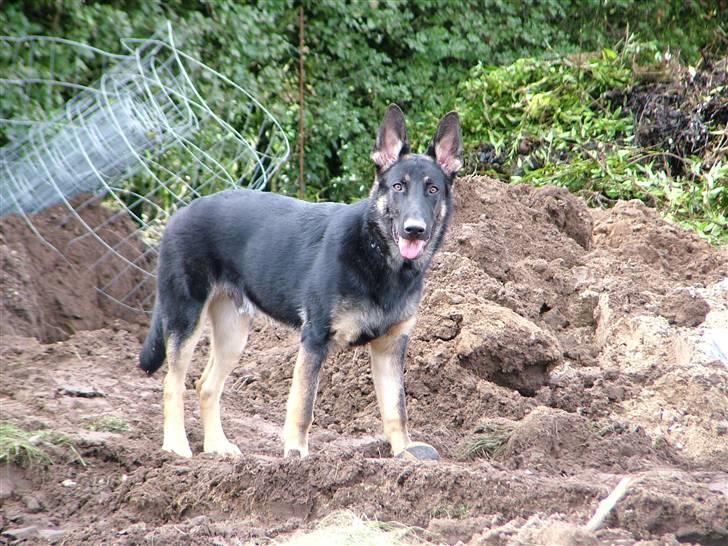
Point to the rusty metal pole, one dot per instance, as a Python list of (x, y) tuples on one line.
[(301, 181)]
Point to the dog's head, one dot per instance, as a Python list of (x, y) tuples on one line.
[(411, 193)]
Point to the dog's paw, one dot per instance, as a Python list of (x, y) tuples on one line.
[(181, 450), (225, 449), (419, 451), (295, 453)]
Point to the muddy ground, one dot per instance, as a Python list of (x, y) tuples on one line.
[(558, 349)]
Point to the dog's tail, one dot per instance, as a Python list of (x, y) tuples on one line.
[(154, 350)]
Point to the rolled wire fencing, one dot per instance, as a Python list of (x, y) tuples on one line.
[(156, 130)]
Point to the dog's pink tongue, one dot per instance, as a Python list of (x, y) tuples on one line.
[(410, 249)]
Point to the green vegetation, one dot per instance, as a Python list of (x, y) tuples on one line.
[(457, 511), (27, 449), (18, 446), (429, 57), (109, 423), (564, 122)]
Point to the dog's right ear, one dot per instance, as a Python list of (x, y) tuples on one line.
[(391, 140)]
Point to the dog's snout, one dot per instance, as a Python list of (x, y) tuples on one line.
[(414, 228)]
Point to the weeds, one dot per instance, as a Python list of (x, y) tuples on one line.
[(18, 446), (489, 442), (573, 122), (110, 423), (28, 449), (458, 511)]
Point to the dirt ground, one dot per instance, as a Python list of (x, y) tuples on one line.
[(558, 349)]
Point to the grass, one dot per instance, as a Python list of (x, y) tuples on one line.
[(489, 442), (28, 449), (110, 423), (457, 511), (345, 528), (18, 446)]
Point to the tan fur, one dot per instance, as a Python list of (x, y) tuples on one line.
[(229, 336), (350, 319), (175, 435), (346, 326), (387, 373), (298, 420), (229, 331), (382, 204), (443, 211)]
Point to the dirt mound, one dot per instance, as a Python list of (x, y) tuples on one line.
[(51, 271), (557, 349)]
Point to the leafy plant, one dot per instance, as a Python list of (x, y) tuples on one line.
[(557, 122), (360, 56)]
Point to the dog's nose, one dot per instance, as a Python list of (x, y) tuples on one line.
[(415, 228)]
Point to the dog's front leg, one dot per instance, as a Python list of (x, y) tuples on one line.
[(387, 356), (299, 411)]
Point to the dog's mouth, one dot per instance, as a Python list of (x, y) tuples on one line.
[(410, 249)]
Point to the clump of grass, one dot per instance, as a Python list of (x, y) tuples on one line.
[(110, 423), (344, 528), (457, 511), (488, 442), (18, 446), (27, 449)]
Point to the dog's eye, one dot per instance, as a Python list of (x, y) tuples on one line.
[(433, 189), (397, 186)]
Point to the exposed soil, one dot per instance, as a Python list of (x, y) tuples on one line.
[(580, 346), (54, 270)]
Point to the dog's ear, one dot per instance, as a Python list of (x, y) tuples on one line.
[(391, 140), (447, 146)]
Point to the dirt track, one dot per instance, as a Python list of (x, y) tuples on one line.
[(589, 340)]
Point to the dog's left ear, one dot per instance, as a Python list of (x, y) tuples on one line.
[(447, 146)]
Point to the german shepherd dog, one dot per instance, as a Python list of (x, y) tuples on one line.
[(346, 275)]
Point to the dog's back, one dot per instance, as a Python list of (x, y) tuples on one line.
[(261, 249)]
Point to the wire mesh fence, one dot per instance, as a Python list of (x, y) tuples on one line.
[(156, 129)]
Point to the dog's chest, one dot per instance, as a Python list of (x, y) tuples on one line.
[(358, 323)]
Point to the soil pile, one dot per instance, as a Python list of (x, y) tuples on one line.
[(51, 279), (557, 350)]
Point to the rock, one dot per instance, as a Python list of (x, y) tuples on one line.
[(51, 535), (565, 534), (21, 533), (684, 309), (32, 504), (81, 391), (134, 528), (501, 346)]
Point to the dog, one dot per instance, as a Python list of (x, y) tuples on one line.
[(345, 275)]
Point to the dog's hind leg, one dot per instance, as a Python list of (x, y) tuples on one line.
[(301, 399), (229, 336), (179, 354), (387, 357)]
